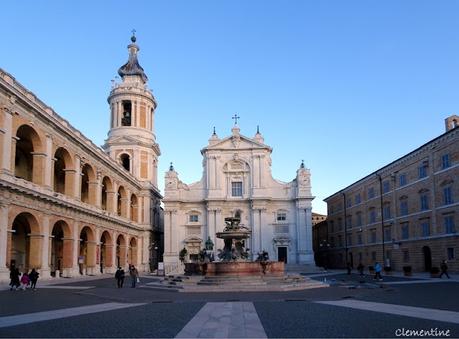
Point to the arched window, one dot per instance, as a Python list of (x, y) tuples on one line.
[(62, 162), (27, 143), (87, 190), (125, 160), (127, 113), (106, 187)]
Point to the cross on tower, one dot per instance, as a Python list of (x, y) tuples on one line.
[(133, 32), (235, 118)]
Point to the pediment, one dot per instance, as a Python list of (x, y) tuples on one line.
[(237, 142)]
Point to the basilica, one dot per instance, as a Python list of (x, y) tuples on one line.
[(71, 208), (237, 182)]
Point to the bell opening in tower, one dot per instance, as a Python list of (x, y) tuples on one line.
[(127, 113), (126, 162)]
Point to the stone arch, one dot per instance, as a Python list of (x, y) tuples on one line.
[(133, 250), (63, 171), (24, 242), (121, 251), (61, 244), (107, 192), (106, 251), (28, 161), (122, 202), (88, 184), (134, 208), (87, 250)]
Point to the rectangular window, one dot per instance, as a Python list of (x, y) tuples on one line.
[(405, 231), (422, 171), (194, 218), (402, 180), (424, 202), (340, 224), (373, 256), (371, 193), (372, 215), (332, 241), (425, 228), (349, 239), (348, 203), (358, 199), (449, 224), (445, 163), (332, 226), (236, 188), (359, 219), (386, 186), (447, 195), (387, 234), (281, 216), (359, 238), (406, 256), (340, 241), (372, 236), (404, 207), (386, 211), (450, 253), (349, 221)]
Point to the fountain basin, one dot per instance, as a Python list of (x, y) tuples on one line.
[(245, 268)]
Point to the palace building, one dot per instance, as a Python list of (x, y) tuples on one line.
[(404, 214), (67, 206), (237, 182)]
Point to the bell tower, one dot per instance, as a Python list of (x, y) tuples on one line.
[(131, 139)]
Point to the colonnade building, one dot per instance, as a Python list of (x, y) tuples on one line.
[(67, 206), (404, 214)]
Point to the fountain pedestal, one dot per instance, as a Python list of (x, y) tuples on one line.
[(245, 268)]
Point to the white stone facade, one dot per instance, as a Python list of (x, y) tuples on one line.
[(237, 180)]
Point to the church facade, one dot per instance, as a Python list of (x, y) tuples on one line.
[(67, 206), (237, 182)]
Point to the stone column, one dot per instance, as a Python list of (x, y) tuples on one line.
[(91, 257), (4, 272), (111, 201), (123, 256), (77, 179), (95, 193), (7, 144), (49, 173), (39, 164), (35, 252), (14, 140), (45, 249), (68, 257), (76, 249), (109, 260)]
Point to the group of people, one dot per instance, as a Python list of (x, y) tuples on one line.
[(120, 275), (23, 282)]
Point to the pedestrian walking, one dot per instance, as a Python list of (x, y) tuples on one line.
[(349, 269), (119, 276), (134, 275), (33, 276), (444, 269), (378, 269), (14, 278), (360, 269), (25, 280)]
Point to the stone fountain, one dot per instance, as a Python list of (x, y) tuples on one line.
[(234, 257)]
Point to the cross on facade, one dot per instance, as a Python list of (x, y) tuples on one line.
[(133, 32), (235, 118)]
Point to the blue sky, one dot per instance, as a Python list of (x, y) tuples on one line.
[(348, 86)]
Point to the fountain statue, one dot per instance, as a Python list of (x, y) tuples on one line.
[(234, 235)]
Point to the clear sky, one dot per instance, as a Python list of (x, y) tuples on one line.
[(348, 86)]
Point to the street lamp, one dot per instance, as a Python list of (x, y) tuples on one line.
[(324, 246)]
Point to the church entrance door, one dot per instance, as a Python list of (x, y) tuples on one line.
[(282, 254)]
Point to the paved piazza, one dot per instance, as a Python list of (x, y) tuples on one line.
[(348, 308)]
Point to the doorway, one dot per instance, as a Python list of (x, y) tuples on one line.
[(282, 254), (427, 258)]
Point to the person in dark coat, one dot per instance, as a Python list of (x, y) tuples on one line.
[(14, 278), (444, 269), (119, 276), (33, 276), (360, 269), (134, 275)]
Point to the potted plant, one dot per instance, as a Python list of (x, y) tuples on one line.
[(407, 270), (371, 269), (387, 270), (183, 254), (435, 272)]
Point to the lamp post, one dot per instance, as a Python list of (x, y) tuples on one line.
[(324, 247), (345, 229), (382, 219)]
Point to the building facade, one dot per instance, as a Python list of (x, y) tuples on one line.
[(237, 181), (404, 214), (67, 206)]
